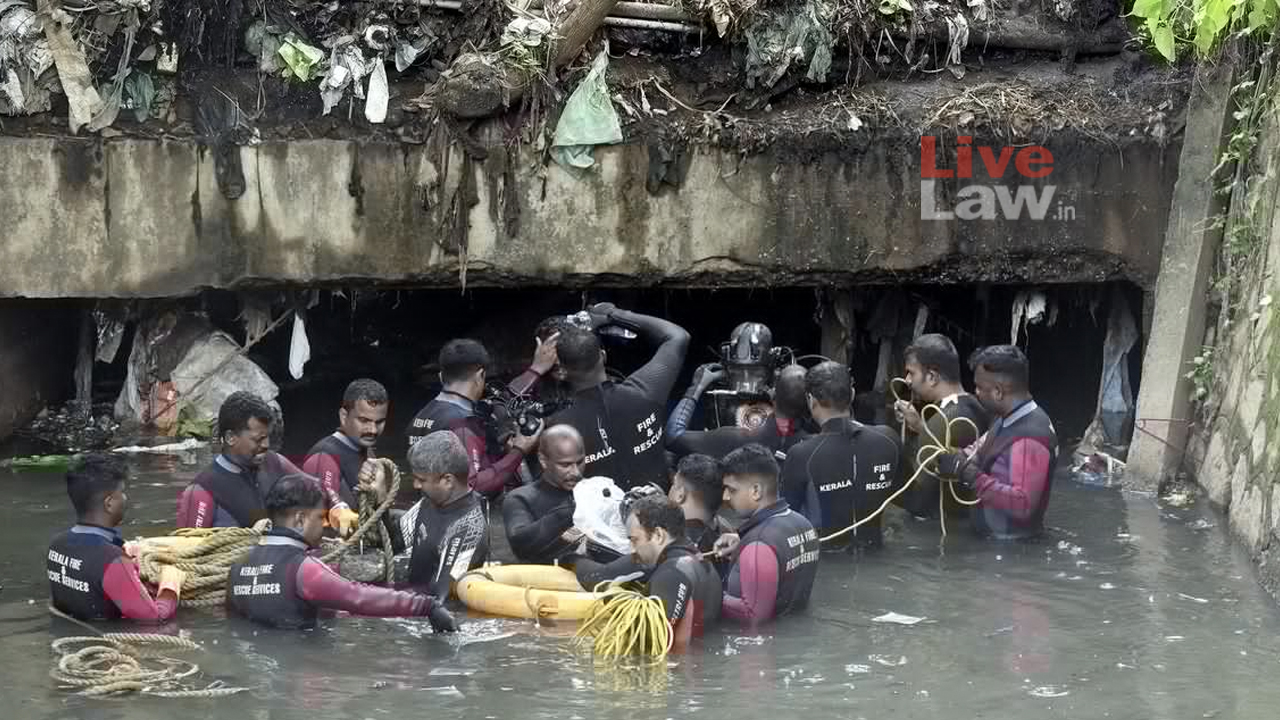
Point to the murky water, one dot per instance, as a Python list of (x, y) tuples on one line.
[(1130, 610)]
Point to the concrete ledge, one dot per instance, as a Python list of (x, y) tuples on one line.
[(130, 217)]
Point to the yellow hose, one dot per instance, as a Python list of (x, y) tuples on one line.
[(624, 623)]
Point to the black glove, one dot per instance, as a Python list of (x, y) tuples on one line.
[(706, 375), (955, 467), (600, 313), (440, 618)]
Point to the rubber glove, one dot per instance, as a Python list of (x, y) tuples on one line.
[(955, 467), (344, 519), (440, 618), (706, 375), (171, 579)]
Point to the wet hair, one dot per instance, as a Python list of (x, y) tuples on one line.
[(829, 384), (788, 392), (657, 511), (937, 353), (370, 391), (704, 477), (460, 358), (296, 490), (578, 350), (753, 460), (1006, 362), (550, 326), (239, 408), (93, 478), (440, 453)]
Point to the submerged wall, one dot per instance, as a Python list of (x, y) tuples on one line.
[(133, 217)]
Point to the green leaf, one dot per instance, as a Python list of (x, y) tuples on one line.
[(1163, 38), (1149, 8)]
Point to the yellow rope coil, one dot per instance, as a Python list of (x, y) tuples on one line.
[(624, 623)]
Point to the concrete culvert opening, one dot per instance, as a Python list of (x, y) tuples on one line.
[(393, 335)]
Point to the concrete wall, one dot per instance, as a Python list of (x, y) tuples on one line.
[(1234, 451), (37, 356), (129, 217)]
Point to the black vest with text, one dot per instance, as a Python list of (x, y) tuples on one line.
[(1034, 425), (263, 588), (240, 490), (795, 543), (76, 562), (350, 461)]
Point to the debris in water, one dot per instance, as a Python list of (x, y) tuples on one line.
[(1201, 524), (857, 669), (1069, 547), (888, 661), (447, 691), (1185, 596), (897, 618), (1180, 498), (186, 446), (1048, 691)]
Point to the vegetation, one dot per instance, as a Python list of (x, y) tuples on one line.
[(1203, 24)]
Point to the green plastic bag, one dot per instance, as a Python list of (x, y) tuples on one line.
[(301, 58), (588, 119)]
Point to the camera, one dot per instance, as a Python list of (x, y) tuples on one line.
[(505, 413)]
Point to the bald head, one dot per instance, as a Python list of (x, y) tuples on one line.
[(560, 452), (788, 393)]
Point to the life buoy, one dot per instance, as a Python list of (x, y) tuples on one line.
[(525, 591)]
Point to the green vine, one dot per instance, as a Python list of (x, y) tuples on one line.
[(1203, 24)]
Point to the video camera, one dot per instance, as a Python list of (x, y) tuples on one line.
[(505, 413)]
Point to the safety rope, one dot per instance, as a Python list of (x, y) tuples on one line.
[(623, 622), (368, 472), (114, 663)]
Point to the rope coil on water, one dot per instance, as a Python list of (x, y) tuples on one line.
[(623, 623), (113, 663)]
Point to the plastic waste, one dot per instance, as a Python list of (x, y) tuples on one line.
[(375, 106), (300, 58), (598, 513), (299, 347), (777, 39), (588, 119)]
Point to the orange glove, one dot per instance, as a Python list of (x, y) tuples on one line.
[(171, 579), (344, 519)]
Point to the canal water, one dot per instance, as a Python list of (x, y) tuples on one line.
[(1128, 610)]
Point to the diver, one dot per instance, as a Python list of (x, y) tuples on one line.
[(463, 368), (774, 552), (336, 458), (688, 586), (449, 527), (230, 492), (539, 517), (279, 585), (1010, 468), (621, 423), (697, 489), (933, 371), (847, 471), (90, 575)]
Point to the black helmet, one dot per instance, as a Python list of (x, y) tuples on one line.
[(749, 344)]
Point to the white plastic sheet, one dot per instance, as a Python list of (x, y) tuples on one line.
[(598, 513)]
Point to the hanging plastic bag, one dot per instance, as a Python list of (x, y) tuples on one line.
[(588, 119), (598, 514), (299, 347)]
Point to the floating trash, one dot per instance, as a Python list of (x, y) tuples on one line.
[(888, 660), (857, 669), (1185, 596), (897, 619), (1048, 691)]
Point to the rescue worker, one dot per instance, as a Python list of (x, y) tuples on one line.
[(621, 423), (774, 552), (1010, 468), (463, 370), (846, 471), (697, 490), (450, 527), (780, 431), (933, 370), (539, 517), (229, 493), (280, 586), (90, 575), (687, 585), (336, 458)]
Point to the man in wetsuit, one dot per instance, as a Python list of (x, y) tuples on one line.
[(336, 458), (90, 576), (847, 471), (539, 517), (463, 369), (933, 369), (280, 586), (1010, 468), (450, 530), (774, 552), (780, 431), (230, 492), (621, 423), (697, 490), (687, 585)]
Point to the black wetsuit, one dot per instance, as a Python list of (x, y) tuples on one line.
[(921, 500), (689, 588), (777, 435), (621, 423), (843, 474), (626, 568), (535, 516), (448, 542)]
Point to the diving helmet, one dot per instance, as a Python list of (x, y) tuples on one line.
[(747, 359)]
